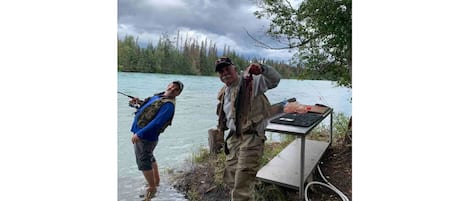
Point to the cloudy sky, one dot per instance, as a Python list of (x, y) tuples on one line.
[(66, 50), (224, 22)]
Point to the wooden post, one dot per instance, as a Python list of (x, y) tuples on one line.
[(215, 140), (347, 141)]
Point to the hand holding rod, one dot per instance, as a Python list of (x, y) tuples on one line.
[(135, 102)]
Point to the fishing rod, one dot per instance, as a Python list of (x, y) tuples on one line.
[(132, 104), (126, 95)]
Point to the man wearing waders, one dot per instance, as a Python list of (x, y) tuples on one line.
[(151, 118), (242, 110)]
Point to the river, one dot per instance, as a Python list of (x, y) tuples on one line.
[(195, 114)]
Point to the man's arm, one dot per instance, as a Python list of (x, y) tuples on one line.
[(268, 78), (271, 76)]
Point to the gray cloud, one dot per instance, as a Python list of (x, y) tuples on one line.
[(222, 21)]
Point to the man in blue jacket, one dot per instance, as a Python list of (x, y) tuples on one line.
[(153, 115)]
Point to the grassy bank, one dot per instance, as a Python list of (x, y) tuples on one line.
[(202, 179)]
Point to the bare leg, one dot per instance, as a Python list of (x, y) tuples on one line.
[(148, 174), (156, 174)]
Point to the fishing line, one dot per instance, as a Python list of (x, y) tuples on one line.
[(321, 97)]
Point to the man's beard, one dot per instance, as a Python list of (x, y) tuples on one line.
[(227, 78)]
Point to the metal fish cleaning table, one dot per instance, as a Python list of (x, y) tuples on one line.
[(288, 168)]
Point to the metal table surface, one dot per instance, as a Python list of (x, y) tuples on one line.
[(284, 169)]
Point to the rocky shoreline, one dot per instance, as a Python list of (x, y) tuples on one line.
[(201, 181)]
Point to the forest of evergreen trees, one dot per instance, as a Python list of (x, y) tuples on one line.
[(191, 57)]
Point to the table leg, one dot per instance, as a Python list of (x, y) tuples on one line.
[(330, 129), (302, 167)]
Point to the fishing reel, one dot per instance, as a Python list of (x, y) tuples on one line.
[(134, 105)]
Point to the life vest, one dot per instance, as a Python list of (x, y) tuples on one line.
[(150, 112), (259, 109)]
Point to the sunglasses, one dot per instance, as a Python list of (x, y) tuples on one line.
[(223, 60)]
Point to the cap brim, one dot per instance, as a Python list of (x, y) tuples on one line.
[(221, 65)]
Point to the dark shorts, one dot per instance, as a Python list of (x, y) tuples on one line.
[(144, 154)]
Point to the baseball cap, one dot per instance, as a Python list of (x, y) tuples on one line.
[(180, 84), (222, 62)]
